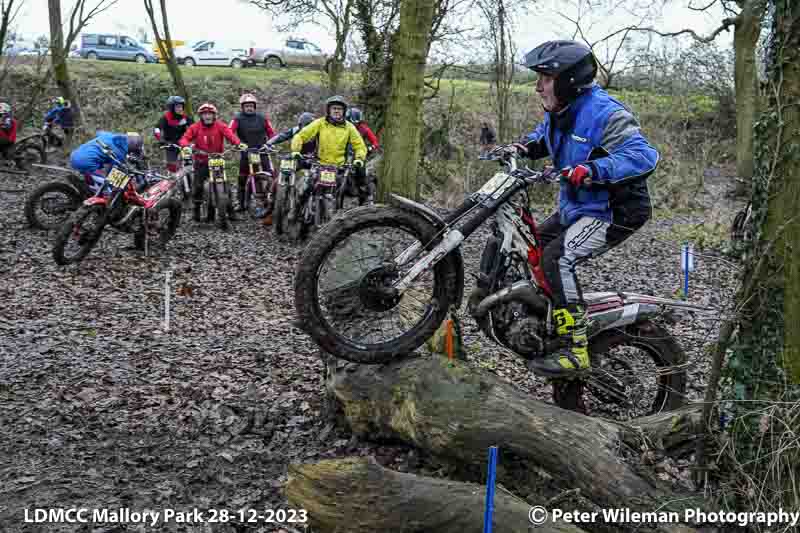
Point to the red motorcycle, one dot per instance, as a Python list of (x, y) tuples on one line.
[(130, 201)]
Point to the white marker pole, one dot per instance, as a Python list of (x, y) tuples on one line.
[(166, 300)]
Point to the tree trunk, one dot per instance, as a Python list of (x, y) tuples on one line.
[(360, 495), (404, 121), (58, 55), (167, 52), (764, 364), (457, 412), (745, 40)]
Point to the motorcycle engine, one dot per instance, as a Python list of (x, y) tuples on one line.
[(513, 323)]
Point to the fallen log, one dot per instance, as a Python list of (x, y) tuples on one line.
[(456, 411), (359, 495)]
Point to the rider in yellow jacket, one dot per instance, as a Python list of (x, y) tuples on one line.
[(333, 133)]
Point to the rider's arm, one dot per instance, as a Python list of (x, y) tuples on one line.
[(268, 127), (535, 144), (358, 144), (160, 127), (51, 115), (306, 134), (629, 153), (282, 137), (188, 137), (228, 133), (371, 138)]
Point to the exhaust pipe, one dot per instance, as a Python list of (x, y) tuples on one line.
[(524, 291)]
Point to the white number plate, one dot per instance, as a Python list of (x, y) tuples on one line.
[(327, 176), (255, 158), (287, 164), (117, 178), (496, 186)]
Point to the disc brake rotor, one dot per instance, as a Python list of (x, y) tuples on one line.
[(376, 291)]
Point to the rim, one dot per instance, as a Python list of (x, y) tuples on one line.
[(82, 234), (352, 296), (627, 382), (54, 208)]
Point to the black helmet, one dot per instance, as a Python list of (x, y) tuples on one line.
[(305, 119), (172, 101), (571, 62), (335, 100), (135, 144), (354, 115)]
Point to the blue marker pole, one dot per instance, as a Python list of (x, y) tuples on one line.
[(687, 264), (487, 517)]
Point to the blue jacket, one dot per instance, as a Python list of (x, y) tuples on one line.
[(89, 157), (60, 115), (599, 131)]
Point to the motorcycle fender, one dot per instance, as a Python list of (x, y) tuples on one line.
[(423, 210), (96, 200)]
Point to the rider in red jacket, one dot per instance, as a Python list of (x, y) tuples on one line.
[(355, 116), (209, 135)]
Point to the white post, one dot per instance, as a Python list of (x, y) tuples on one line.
[(166, 300)]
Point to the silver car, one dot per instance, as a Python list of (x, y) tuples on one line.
[(292, 53)]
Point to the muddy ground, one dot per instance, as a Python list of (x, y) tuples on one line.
[(102, 408)]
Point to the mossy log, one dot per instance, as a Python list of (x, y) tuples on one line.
[(456, 411), (359, 495)]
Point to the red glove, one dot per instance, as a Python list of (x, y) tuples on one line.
[(578, 176)]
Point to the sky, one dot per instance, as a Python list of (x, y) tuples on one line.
[(222, 19)]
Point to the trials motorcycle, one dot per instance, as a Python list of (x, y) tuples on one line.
[(377, 283)]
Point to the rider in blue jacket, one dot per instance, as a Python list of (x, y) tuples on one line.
[(90, 160), (604, 160)]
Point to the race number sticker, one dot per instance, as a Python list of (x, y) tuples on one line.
[(327, 176), (287, 164), (117, 178), (496, 186)]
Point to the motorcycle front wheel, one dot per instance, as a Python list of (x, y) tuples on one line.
[(343, 294), (77, 237)]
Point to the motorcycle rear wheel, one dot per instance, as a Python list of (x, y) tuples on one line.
[(34, 204), (619, 394), (357, 297)]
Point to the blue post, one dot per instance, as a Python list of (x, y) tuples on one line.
[(487, 517), (687, 265)]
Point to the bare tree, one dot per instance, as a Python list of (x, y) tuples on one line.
[(9, 9), (167, 51), (498, 15), (60, 44), (329, 14)]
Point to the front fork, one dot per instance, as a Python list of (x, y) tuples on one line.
[(451, 240)]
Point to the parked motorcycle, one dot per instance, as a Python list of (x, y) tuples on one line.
[(131, 201), (49, 205), (284, 215), (379, 283), (258, 187), (314, 199)]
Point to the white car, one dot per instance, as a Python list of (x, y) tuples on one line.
[(213, 54)]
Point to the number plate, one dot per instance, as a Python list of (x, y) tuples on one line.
[(287, 164), (117, 178), (215, 163), (255, 158), (496, 186), (327, 176)]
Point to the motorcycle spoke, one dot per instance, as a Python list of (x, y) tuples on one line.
[(354, 288)]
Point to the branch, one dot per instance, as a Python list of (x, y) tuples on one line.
[(726, 23), (701, 8), (82, 20)]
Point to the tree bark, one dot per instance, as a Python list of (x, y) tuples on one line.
[(457, 412), (745, 40), (58, 55), (404, 123), (357, 494), (168, 52)]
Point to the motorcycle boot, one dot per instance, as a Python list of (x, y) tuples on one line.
[(571, 358)]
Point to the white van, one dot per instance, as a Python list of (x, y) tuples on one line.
[(213, 53)]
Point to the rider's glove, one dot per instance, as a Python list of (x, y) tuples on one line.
[(296, 155), (522, 150), (358, 163), (242, 147), (578, 176), (186, 151)]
